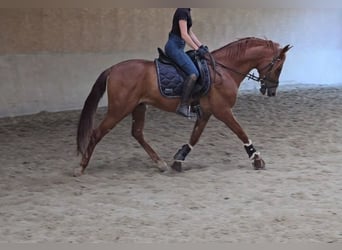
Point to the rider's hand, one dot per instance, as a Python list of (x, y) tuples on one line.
[(202, 50)]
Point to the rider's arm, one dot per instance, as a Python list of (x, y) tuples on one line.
[(185, 35), (194, 38)]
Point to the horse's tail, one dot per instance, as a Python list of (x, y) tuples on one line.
[(86, 121)]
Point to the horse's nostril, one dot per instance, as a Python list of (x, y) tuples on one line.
[(270, 94)]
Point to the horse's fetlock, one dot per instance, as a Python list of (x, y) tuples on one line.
[(251, 151), (182, 153)]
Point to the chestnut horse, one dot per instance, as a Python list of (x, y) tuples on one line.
[(132, 84)]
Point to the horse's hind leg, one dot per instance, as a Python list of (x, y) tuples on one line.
[(138, 121), (105, 126)]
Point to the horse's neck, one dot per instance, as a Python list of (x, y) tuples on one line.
[(243, 62)]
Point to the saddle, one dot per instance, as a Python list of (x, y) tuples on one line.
[(171, 77)]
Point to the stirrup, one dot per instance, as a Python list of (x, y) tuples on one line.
[(185, 111), (198, 111)]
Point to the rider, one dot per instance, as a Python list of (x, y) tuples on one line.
[(180, 35)]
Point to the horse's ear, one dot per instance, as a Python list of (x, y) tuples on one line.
[(284, 50)]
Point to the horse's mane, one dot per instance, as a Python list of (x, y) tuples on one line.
[(239, 47)]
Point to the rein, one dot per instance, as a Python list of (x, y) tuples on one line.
[(249, 76)]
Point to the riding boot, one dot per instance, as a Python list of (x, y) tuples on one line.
[(184, 106)]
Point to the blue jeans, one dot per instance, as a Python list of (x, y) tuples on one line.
[(174, 48)]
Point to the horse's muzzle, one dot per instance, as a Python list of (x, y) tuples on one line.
[(271, 92), (263, 90)]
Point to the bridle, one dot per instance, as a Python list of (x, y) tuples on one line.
[(266, 82)]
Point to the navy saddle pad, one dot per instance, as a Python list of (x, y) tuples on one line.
[(171, 77)]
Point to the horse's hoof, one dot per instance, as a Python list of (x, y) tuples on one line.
[(177, 166), (78, 172), (162, 166), (258, 163)]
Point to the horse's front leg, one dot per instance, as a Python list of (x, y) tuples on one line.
[(228, 118), (195, 135)]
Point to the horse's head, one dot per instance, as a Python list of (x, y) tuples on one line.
[(269, 71)]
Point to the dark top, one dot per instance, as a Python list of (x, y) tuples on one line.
[(181, 14)]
